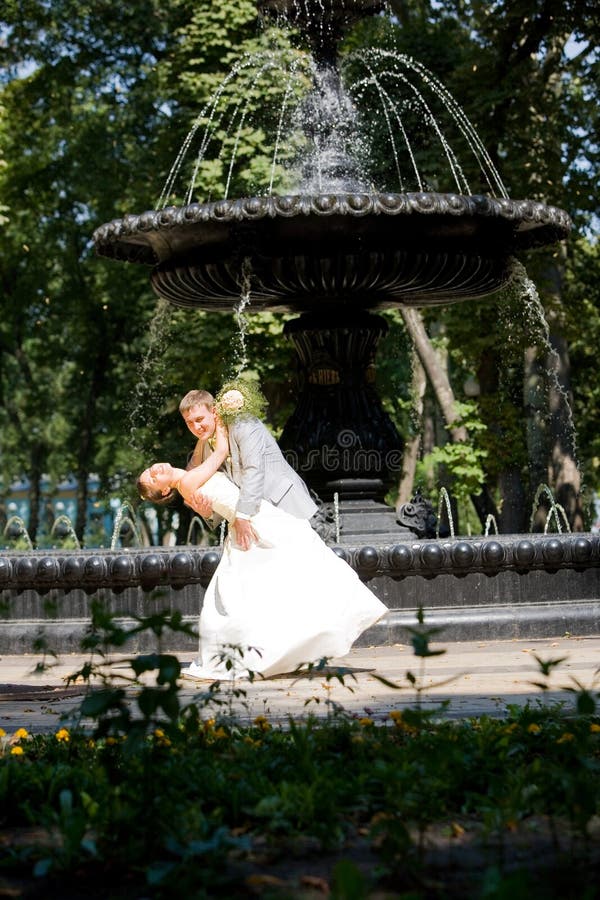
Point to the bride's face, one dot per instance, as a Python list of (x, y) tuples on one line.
[(159, 477)]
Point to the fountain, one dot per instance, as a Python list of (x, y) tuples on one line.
[(336, 249)]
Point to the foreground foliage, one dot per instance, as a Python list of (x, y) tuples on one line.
[(152, 793), (209, 803)]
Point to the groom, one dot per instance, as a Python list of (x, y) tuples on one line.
[(255, 464)]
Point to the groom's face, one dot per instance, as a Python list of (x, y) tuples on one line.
[(200, 420)]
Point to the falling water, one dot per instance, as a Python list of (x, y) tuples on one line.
[(556, 510), (195, 523), (65, 520), (22, 530), (123, 518), (336, 516), (541, 338), (490, 522), (444, 499), (150, 386), (328, 124), (241, 354)]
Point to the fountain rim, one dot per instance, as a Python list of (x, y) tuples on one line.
[(128, 239), (149, 567)]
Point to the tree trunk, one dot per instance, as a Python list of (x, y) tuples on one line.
[(440, 383), (412, 447), (563, 471), (436, 373), (511, 518), (35, 493)]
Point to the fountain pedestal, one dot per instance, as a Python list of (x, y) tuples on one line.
[(339, 437)]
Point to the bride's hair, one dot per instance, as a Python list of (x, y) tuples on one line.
[(153, 494)]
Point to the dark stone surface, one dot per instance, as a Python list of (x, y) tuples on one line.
[(339, 429), (307, 251), (475, 588)]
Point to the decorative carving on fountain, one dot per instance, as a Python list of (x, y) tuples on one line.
[(339, 429), (378, 249), (419, 517)]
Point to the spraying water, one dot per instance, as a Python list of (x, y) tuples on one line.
[(145, 403), (125, 515), (16, 528), (490, 522), (336, 516), (241, 354), (556, 510), (540, 336), (195, 524), (324, 135), (64, 521), (444, 500)]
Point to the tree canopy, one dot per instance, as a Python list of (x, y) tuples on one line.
[(95, 102)]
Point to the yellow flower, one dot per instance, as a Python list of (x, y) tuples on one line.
[(220, 733), (365, 722), (17, 751), (534, 728), (510, 728), (161, 738), (397, 718), (2, 733), (20, 733), (63, 735), (564, 738), (91, 743), (209, 724), (594, 728), (262, 723), (111, 741)]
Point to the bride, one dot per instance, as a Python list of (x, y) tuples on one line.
[(286, 601)]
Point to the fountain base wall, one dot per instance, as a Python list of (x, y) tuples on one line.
[(527, 586)]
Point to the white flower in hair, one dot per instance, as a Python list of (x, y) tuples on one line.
[(231, 401)]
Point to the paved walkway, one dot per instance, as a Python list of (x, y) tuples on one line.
[(476, 678)]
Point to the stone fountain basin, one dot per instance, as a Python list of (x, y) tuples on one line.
[(378, 250), (499, 587), (152, 567)]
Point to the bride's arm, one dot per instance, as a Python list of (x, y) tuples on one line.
[(195, 478)]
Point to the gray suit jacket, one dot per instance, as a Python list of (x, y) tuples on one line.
[(256, 465)]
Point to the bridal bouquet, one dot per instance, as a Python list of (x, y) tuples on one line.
[(239, 398)]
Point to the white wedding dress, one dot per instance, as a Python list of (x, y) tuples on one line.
[(287, 600)]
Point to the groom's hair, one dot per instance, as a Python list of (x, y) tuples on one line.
[(196, 398)]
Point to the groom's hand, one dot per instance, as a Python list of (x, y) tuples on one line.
[(201, 504), (245, 534)]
